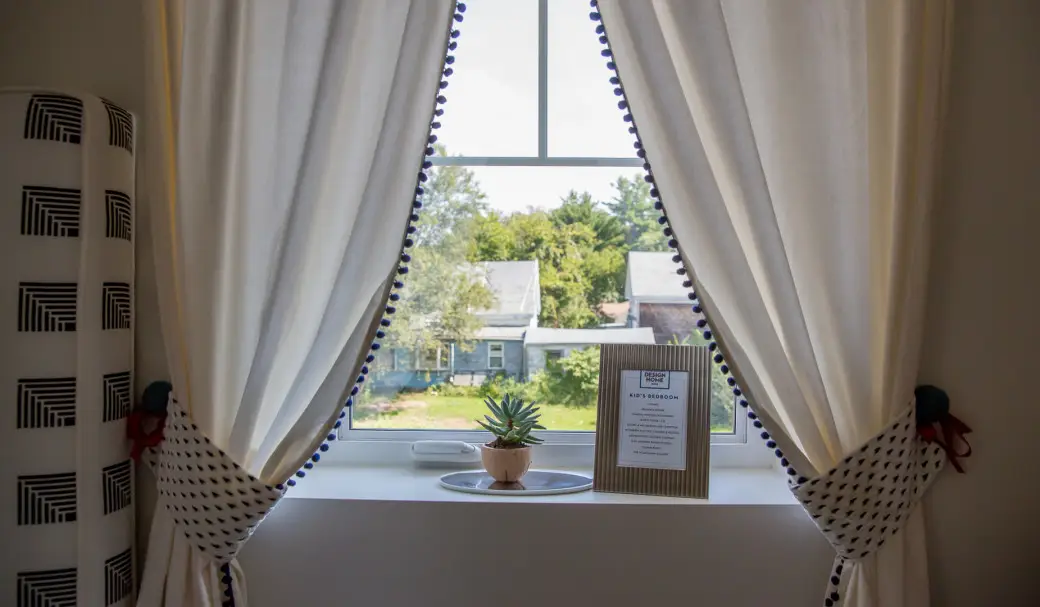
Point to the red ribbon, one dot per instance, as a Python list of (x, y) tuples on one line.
[(143, 439), (953, 430)]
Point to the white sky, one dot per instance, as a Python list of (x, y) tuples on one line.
[(492, 107)]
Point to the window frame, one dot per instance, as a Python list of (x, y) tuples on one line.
[(501, 355), (561, 447), (444, 349)]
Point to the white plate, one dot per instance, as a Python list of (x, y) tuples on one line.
[(535, 482)]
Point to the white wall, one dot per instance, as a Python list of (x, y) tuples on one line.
[(982, 334), (389, 554), (982, 339)]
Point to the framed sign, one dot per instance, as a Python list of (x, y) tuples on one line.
[(653, 426)]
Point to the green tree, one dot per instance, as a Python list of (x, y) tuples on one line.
[(632, 205), (442, 290), (451, 199), (571, 380), (722, 400)]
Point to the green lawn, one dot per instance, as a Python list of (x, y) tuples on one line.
[(427, 412), (424, 411)]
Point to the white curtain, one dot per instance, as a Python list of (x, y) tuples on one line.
[(794, 145), (281, 150)]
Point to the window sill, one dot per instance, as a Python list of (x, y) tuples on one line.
[(728, 486)]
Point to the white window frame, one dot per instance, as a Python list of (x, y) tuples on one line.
[(501, 355), (561, 448)]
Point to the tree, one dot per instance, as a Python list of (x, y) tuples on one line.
[(451, 199), (578, 208), (442, 290), (571, 380), (722, 398), (634, 208)]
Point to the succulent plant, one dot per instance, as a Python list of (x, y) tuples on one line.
[(512, 422)]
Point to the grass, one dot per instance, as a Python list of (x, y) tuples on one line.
[(459, 412), (424, 411)]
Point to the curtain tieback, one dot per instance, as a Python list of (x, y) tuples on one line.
[(212, 500), (865, 499), (933, 409), (868, 496)]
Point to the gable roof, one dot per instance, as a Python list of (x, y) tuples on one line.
[(652, 276), (515, 286)]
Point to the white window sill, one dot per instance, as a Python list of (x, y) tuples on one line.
[(727, 486)]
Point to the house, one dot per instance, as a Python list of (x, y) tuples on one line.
[(497, 347), (543, 344), (657, 298), (499, 344)]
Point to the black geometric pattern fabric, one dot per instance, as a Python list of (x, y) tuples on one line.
[(48, 211), (866, 498), (117, 396), (47, 306), (51, 588), (119, 577), (213, 501), (118, 217), (120, 126), (47, 498), (66, 368), (116, 486), (54, 117), (115, 306), (48, 402)]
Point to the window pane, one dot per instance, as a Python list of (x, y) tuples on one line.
[(518, 275), (584, 119), (492, 96)]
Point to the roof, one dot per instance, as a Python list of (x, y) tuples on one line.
[(546, 336), (501, 333), (515, 286), (652, 276)]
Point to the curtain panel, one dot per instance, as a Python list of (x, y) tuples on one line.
[(794, 146), (66, 365), (282, 146)]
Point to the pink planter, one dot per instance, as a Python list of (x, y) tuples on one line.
[(506, 465)]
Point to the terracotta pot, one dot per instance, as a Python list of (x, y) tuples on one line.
[(506, 465)]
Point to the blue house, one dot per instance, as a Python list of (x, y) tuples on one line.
[(496, 348)]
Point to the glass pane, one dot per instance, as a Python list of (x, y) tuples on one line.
[(584, 119), (492, 96), (518, 275)]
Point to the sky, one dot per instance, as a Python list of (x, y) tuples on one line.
[(492, 107)]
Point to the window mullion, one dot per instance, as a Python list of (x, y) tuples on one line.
[(543, 79)]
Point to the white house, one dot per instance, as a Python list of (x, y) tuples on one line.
[(656, 296), (542, 343)]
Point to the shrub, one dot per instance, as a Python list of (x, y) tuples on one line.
[(572, 380)]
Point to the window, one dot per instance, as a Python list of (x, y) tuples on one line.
[(537, 231), (434, 358), (496, 355)]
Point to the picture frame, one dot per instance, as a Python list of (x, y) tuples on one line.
[(653, 424)]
